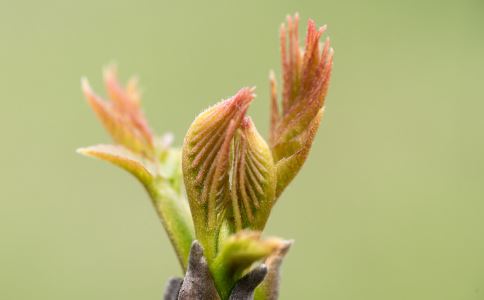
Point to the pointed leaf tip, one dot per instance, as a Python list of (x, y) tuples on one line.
[(306, 77), (206, 162), (123, 158), (121, 115)]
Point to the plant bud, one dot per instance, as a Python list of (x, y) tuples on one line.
[(206, 165)]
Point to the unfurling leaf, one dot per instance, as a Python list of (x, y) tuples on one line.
[(253, 179), (238, 253), (141, 168), (134, 150), (122, 116), (287, 167), (306, 76), (206, 164)]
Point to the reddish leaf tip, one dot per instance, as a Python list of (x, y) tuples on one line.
[(246, 123), (243, 98)]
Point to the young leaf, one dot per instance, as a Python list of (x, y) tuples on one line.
[(237, 254), (122, 116), (288, 167), (138, 166), (306, 76), (159, 171), (253, 179), (206, 164)]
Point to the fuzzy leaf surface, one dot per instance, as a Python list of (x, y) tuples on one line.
[(237, 254), (253, 180), (118, 155), (306, 76), (206, 165)]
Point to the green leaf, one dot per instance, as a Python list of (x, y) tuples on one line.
[(206, 165), (289, 166), (253, 178), (141, 168), (237, 254)]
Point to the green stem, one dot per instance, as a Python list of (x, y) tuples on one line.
[(223, 279), (175, 217)]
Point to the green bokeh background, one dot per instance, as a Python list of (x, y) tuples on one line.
[(390, 204)]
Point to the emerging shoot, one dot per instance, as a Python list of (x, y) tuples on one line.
[(214, 195)]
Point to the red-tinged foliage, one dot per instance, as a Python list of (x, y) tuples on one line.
[(306, 76), (121, 115)]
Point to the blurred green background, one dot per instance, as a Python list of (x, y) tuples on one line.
[(390, 204)]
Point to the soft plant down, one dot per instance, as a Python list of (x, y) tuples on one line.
[(214, 194)]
